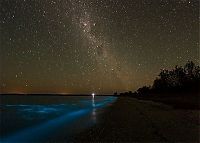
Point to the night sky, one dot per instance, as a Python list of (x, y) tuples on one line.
[(101, 46)]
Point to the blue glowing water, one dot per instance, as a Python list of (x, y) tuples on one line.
[(44, 119)]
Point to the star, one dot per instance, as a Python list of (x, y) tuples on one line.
[(77, 46)]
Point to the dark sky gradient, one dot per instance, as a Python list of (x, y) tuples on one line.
[(101, 46)]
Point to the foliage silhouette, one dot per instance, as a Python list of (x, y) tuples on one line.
[(178, 80)]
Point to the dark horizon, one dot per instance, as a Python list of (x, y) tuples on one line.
[(54, 94)]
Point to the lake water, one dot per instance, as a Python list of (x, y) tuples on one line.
[(48, 118)]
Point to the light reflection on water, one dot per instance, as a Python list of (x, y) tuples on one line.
[(94, 118), (51, 118)]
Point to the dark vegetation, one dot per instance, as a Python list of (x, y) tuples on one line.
[(178, 87)]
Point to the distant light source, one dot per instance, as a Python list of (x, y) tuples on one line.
[(93, 94)]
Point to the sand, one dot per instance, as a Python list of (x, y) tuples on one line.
[(132, 120)]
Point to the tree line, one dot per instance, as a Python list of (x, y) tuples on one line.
[(181, 79)]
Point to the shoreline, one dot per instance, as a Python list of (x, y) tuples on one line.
[(133, 120)]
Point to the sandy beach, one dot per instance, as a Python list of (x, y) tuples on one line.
[(132, 120)]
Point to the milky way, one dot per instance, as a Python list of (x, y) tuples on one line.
[(97, 49), (86, 46)]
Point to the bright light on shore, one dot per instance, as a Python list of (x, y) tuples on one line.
[(93, 94)]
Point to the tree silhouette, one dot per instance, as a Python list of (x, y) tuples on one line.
[(179, 78), (143, 90)]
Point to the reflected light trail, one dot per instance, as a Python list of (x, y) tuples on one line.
[(94, 109)]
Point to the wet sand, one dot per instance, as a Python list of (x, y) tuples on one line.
[(132, 120)]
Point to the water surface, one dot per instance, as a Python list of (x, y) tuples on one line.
[(48, 118)]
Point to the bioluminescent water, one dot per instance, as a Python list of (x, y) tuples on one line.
[(48, 118)]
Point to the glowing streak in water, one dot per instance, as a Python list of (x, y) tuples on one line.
[(94, 109), (33, 134), (42, 131)]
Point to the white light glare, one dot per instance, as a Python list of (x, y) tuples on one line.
[(93, 95)]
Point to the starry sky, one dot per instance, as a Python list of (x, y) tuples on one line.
[(86, 46)]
